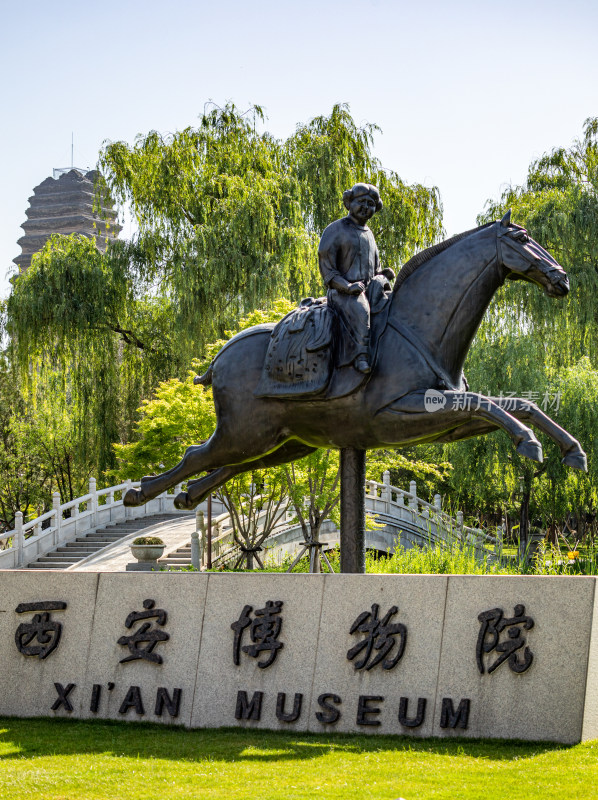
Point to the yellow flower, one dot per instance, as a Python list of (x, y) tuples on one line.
[(572, 554)]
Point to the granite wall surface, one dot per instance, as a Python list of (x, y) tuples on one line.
[(419, 655)]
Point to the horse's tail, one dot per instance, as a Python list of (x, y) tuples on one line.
[(206, 378)]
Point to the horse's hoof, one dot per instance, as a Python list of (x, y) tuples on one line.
[(531, 448), (577, 460), (134, 497), (182, 501), (147, 478)]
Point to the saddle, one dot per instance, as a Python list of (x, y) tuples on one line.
[(302, 353)]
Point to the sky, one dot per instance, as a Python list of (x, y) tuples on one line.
[(466, 94)]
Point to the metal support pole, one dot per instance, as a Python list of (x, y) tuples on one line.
[(352, 510)]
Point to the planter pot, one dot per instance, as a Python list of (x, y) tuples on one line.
[(147, 552)]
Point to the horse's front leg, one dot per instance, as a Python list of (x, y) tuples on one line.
[(452, 409), (477, 405), (571, 450)]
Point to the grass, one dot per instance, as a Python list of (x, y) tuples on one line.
[(74, 760)]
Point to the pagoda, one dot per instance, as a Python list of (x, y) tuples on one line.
[(67, 203)]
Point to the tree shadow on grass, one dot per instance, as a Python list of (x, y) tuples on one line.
[(30, 738)]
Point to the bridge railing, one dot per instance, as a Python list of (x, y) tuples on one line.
[(98, 508), (382, 500), (65, 521)]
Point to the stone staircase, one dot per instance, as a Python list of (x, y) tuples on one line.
[(86, 545), (178, 558)]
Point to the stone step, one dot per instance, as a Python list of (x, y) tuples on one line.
[(55, 558), (77, 546), (87, 544), (95, 538), (119, 528)]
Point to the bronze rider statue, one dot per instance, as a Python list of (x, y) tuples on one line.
[(350, 267)]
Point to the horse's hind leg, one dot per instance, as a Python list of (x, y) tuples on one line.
[(221, 450), (197, 491)]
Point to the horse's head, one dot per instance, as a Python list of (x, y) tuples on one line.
[(524, 259)]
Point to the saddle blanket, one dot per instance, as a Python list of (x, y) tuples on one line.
[(299, 359)]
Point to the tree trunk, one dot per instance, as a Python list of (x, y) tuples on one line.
[(524, 525)]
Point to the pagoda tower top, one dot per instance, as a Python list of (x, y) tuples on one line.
[(67, 203)]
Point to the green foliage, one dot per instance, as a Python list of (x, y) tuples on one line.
[(41, 449), (256, 503), (228, 220), (314, 490), (148, 540), (530, 344), (180, 413)]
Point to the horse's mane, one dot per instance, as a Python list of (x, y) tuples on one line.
[(425, 255)]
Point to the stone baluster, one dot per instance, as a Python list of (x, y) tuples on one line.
[(499, 540), (18, 541), (110, 502), (438, 502), (93, 503), (460, 519), (128, 509), (413, 500), (75, 517), (57, 516), (197, 540), (386, 495)]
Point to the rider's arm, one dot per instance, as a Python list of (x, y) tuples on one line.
[(344, 286), (327, 257)]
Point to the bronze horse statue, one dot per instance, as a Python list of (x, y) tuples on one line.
[(416, 392)]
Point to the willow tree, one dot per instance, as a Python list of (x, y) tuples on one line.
[(228, 219), (547, 350)]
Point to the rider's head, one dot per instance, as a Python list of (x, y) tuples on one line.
[(362, 201)]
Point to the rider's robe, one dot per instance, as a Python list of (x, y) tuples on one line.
[(348, 250)]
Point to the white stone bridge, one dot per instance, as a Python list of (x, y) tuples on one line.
[(93, 532)]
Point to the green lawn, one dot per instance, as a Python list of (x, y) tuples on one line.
[(70, 760)]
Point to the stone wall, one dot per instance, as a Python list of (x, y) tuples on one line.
[(418, 655)]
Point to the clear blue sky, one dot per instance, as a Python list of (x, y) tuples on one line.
[(466, 94)]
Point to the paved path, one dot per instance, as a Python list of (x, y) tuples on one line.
[(174, 533)]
